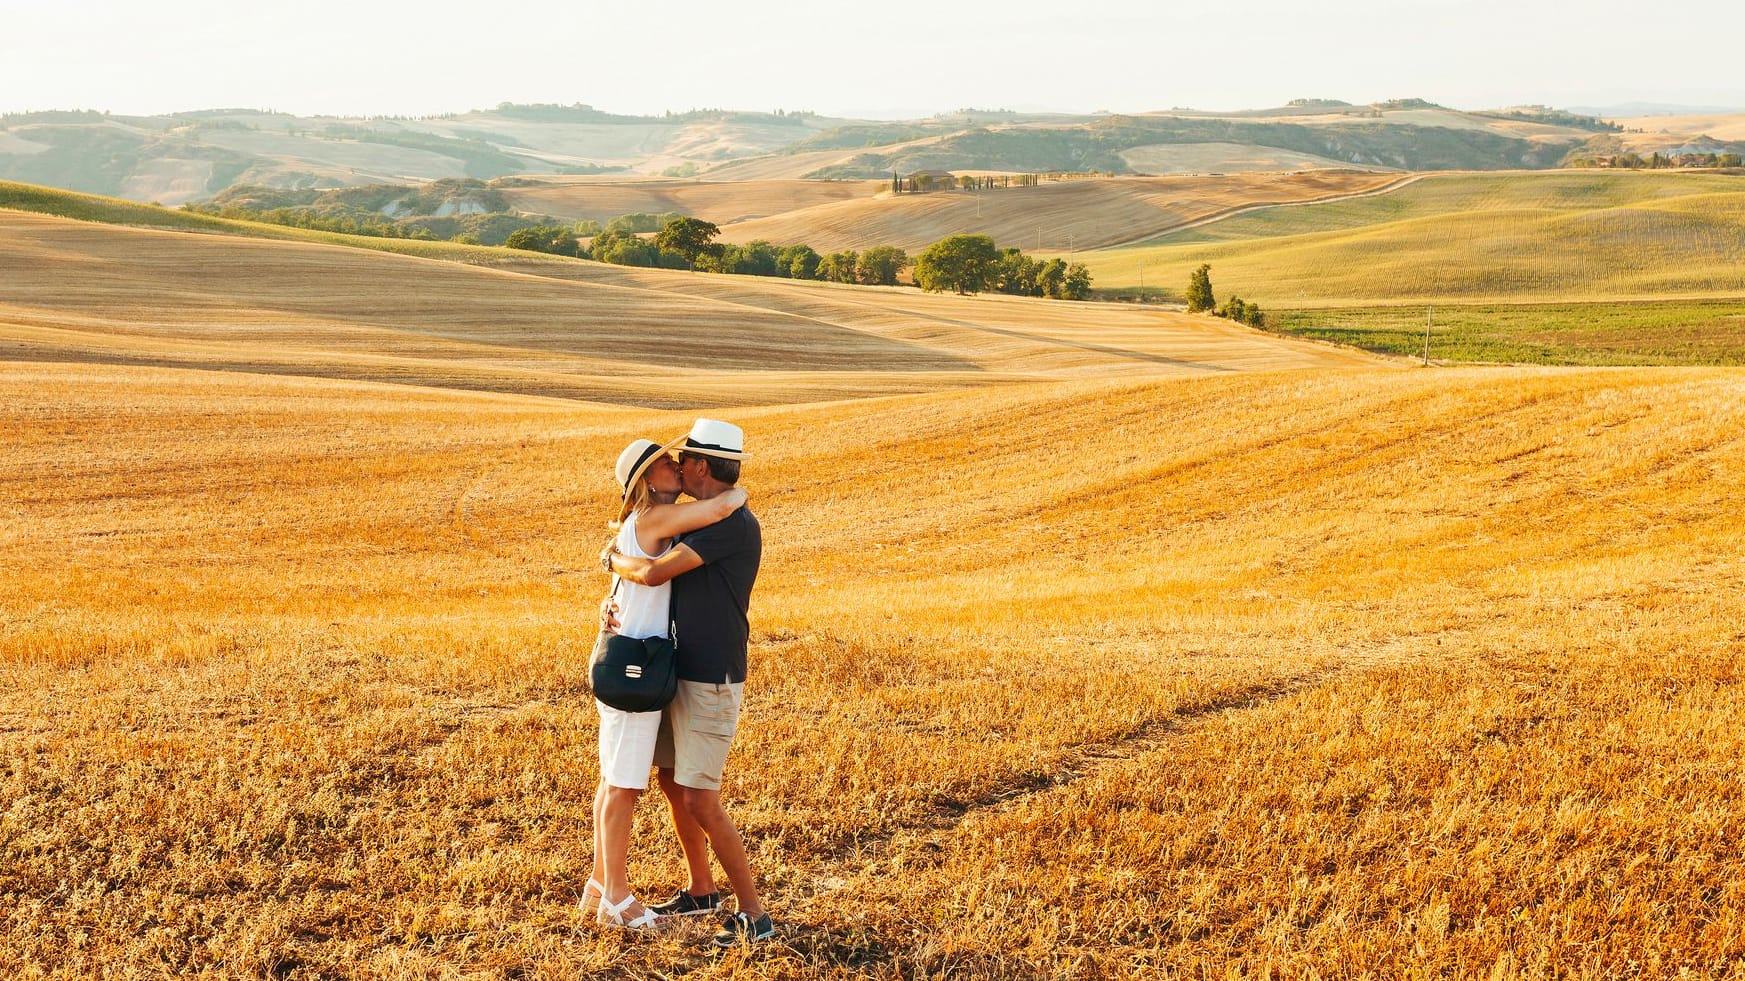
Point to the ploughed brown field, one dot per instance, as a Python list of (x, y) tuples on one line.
[(1090, 642)]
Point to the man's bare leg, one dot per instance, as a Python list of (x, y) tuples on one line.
[(704, 808), (692, 839)]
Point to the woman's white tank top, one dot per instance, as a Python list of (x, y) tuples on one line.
[(642, 610)]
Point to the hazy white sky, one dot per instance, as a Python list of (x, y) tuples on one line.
[(866, 59)]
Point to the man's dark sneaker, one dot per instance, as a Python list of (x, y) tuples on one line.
[(685, 904), (739, 928)]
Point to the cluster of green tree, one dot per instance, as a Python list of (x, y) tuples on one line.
[(972, 263), (683, 242), (1654, 161), (1201, 300)]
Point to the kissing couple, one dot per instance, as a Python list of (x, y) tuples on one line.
[(682, 572)]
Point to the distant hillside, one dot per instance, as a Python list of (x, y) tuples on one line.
[(1557, 237), (1359, 140), (193, 156)]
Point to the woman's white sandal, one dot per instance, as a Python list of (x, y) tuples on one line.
[(593, 894), (612, 914)]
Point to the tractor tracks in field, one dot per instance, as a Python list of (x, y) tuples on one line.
[(926, 842), (1244, 209)]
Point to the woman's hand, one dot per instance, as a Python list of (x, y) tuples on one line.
[(609, 615)]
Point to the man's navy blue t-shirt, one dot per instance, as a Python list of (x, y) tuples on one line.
[(710, 601)]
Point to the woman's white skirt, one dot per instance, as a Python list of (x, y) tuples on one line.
[(626, 746)]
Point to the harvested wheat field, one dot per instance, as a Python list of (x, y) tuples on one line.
[(83, 291), (1093, 213), (1091, 641), (1346, 673)]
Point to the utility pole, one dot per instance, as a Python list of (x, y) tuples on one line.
[(1142, 282), (1429, 315)]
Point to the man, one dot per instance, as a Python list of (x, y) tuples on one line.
[(712, 571)]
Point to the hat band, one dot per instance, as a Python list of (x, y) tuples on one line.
[(691, 444), (637, 470)]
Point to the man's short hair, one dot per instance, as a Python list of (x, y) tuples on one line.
[(724, 470)]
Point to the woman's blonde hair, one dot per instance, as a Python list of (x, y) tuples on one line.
[(641, 497)]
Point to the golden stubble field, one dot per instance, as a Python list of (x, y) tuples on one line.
[(1091, 641), (1347, 673), (508, 322)]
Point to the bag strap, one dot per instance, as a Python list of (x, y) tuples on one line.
[(672, 622)]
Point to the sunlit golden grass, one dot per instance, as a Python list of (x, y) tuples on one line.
[(1353, 673), (1055, 216), (1558, 237)]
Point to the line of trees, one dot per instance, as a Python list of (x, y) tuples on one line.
[(959, 263), (921, 183), (1654, 161), (1201, 300), (683, 242)]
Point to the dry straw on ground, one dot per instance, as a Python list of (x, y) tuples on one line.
[(1351, 675), (1121, 667)]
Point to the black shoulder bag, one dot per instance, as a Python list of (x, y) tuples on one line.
[(636, 675)]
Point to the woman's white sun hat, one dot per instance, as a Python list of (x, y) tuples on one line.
[(633, 463), (712, 437)]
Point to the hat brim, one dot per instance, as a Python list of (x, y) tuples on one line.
[(642, 468), (707, 450)]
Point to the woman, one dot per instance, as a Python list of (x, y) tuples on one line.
[(647, 522)]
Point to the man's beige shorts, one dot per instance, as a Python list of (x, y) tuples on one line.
[(696, 731)]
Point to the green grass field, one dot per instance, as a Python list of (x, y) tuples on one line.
[(1690, 332), (1554, 237)]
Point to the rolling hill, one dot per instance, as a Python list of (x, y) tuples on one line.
[(505, 321), (1088, 213), (1470, 238), (195, 155)]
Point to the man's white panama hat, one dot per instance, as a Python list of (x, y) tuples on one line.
[(712, 437), (633, 462)]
